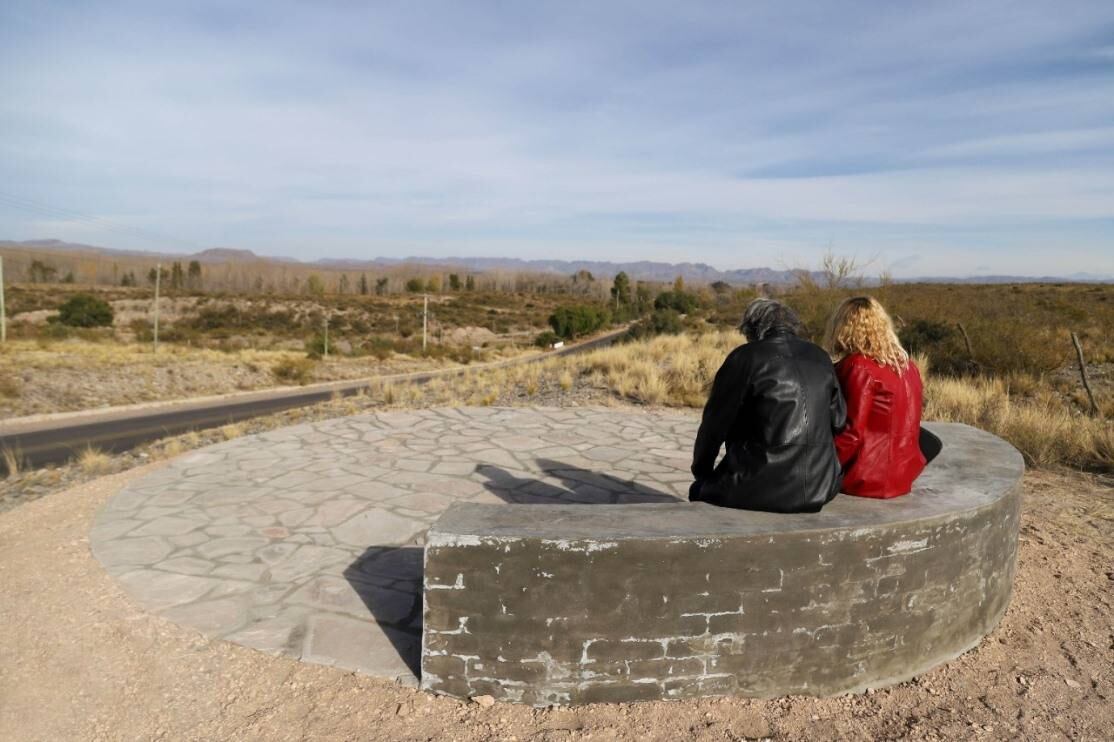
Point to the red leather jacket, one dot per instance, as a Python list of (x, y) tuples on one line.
[(879, 447)]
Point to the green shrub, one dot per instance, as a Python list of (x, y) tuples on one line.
[(572, 322), (546, 339), (678, 301), (84, 310), (380, 347), (939, 341), (660, 322), (315, 346)]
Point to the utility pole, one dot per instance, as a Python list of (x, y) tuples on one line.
[(425, 317), (158, 279), (3, 311), (326, 337)]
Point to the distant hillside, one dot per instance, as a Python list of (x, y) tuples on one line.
[(644, 270), (640, 270)]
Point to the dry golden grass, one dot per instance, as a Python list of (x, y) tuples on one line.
[(1044, 428), (172, 448), (677, 371), (177, 445), (80, 353), (94, 462), (670, 369), (13, 460), (232, 430)]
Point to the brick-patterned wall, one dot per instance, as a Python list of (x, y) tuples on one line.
[(541, 621)]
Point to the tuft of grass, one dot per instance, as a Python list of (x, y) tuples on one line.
[(94, 462), (172, 448), (565, 381), (232, 430), (13, 460), (388, 393)]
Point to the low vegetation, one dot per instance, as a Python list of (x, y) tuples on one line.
[(1001, 355), (1047, 431), (84, 310), (577, 321), (294, 370), (94, 462)]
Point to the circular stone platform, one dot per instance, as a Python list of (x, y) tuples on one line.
[(306, 541)]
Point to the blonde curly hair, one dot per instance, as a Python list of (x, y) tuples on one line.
[(861, 325)]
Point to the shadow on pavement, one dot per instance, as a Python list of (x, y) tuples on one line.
[(578, 487), (388, 579)]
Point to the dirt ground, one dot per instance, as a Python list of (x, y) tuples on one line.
[(78, 661)]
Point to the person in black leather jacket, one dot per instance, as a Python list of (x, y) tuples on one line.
[(776, 404)]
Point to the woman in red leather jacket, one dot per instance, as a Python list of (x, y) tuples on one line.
[(879, 447)]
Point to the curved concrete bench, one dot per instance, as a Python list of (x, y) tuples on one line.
[(584, 603)]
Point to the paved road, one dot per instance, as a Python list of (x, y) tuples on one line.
[(57, 439)]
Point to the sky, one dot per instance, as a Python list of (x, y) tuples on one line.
[(928, 139)]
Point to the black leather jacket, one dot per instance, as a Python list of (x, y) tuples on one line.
[(776, 404)]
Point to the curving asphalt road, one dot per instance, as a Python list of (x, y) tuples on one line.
[(58, 438)]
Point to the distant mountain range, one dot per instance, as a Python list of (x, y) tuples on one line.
[(644, 270)]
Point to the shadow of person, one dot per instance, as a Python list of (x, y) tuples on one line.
[(388, 579), (578, 486)]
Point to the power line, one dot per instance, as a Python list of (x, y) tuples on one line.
[(96, 222)]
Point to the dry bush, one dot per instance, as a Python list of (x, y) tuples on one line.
[(232, 430), (293, 370), (565, 381), (171, 447), (10, 386), (94, 462)]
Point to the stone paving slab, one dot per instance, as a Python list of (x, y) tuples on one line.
[(307, 541)]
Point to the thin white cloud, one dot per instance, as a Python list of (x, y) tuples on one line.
[(394, 128)]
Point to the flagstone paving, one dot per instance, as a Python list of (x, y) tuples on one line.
[(307, 541)]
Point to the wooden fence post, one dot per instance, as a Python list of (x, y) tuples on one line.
[(158, 281), (3, 312), (1083, 375)]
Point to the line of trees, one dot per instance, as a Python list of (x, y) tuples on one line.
[(284, 278)]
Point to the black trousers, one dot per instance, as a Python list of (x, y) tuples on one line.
[(930, 444)]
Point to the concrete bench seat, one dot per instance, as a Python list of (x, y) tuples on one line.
[(556, 604)]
